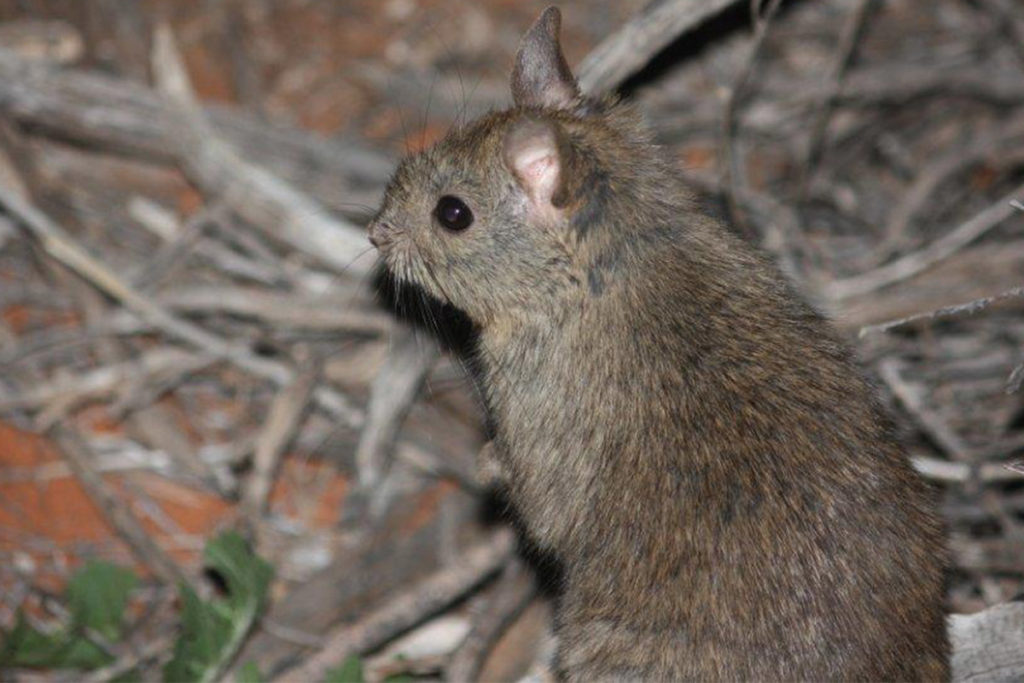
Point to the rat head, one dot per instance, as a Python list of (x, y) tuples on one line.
[(492, 218)]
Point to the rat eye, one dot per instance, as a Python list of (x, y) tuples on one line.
[(452, 213)]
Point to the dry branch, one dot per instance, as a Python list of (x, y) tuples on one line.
[(340, 314), (148, 275), (156, 425), (1003, 148), (514, 591), (734, 175), (159, 647), (284, 418), (987, 645), (626, 51), (102, 380), (117, 115), (918, 261), (962, 472), (59, 245), (1006, 18), (969, 308), (912, 399), (852, 33), (898, 85), (408, 608), (79, 459), (393, 392), (280, 210)]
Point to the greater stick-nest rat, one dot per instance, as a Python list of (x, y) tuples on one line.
[(687, 437)]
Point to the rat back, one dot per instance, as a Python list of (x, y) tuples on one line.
[(727, 496)]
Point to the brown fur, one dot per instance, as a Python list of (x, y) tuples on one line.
[(686, 436)]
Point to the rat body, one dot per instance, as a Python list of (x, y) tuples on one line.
[(689, 439)]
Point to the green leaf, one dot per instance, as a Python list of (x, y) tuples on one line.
[(247, 575), (250, 673), (204, 633), (212, 632), (349, 671), (31, 648), (97, 596)]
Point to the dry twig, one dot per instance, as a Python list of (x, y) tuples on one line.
[(78, 457), (853, 30), (284, 418), (913, 400), (279, 310), (408, 608), (1003, 148), (626, 51), (280, 210), (915, 262), (969, 308), (986, 646), (393, 392), (733, 172), (59, 245), (102, 380), (514, 591)]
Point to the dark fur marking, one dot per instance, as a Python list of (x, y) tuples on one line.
[(595, 281)]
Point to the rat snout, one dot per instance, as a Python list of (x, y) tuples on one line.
[(379, 234)]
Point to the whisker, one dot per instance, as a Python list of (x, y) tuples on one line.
[(358, 205), (426, 113)]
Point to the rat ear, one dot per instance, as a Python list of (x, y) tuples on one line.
[(538, 154), (541, 77)]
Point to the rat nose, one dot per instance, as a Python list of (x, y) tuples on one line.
[(377, 234)]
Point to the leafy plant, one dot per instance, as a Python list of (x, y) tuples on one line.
[(349, 671), (26, 646), (249, 673), (213, 631), (96, 596)]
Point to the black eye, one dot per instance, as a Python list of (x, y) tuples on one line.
[(453, 214)]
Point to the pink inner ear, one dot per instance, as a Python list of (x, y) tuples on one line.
[(531, 152), (537, 168)]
